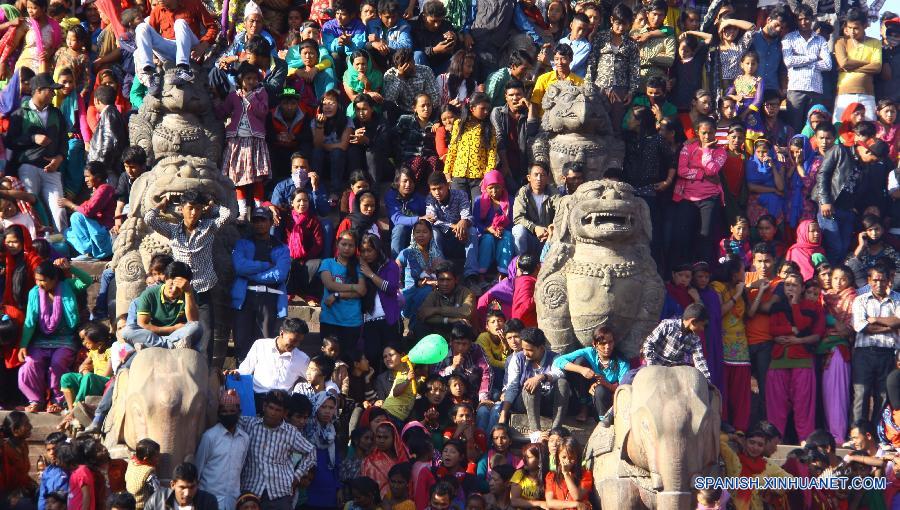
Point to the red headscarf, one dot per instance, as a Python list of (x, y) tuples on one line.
[(377, 464), (803, 250), (112, 11), (845, 131), (31, 261)]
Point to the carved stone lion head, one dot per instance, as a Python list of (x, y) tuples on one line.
[(604, 212), (172, 176)]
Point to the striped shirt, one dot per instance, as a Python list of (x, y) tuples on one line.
[(865, 306), (805, 61), (669, 345), (268, 468)]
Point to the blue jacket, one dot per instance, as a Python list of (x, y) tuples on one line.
[(54, 479), (397, 208), (398, 36), (281, 197), (332, 30), (256, 272)]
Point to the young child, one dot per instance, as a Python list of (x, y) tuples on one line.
[(140, 477), (495, 347), (473, 147), (712, 499), (442, 130), (523, 304), (559, 482), (90, 223), (688, 72), (421, 478), (332, 349), (767, 233), (765, 181), (678, 295), (134, 159), (318, 377), (55, 477), (739, 242), (74, 56), (433, 411), (747, 92), (15, 431), (464, 429), (459, 390), (887, 127), (365, 494), (360, 379), (246, 156), (344, 34), (285, 132), (389, 32), (110, 135), (579, 31), (94, 372), (493, 219), (678, 338), (397, 497), (726, 119)]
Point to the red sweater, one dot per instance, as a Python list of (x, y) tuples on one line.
[(523, 300)]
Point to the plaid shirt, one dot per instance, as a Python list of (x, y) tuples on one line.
[(669, 345), (268, 466), (805, 61), (614, 66), (865, 306), (403, 91), (457, 208), (194, 249)]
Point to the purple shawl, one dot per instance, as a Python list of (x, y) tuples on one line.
[(50, 313), (713, 338)]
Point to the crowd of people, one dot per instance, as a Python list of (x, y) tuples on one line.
[(381, 158)]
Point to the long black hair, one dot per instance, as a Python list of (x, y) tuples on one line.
[(487, 130), (368, 301), (455, 72), (353, 260)]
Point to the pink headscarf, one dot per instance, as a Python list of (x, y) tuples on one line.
[(55, 31), (803, 250), (490, 178)]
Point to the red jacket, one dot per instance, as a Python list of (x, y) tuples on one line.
[(202, 23), (809, 319), (523, 300)]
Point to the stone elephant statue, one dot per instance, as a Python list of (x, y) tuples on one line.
[(167, 395), (665, 433)]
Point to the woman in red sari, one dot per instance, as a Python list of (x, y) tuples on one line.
[(388, 451)]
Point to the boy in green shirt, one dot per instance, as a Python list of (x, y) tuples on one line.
[(167, 314)]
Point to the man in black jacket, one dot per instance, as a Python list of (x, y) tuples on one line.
[(511, 126), (37, 138), (835, 191), (184, 491)]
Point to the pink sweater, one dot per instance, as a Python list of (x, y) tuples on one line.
[(694, 164), (233, 108), (101, 206)]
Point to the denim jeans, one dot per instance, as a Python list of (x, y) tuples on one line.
[(101, 307), (495, 251), (869, 370), (192, 331), (149, 42), (400, 238), (453, 247), (837, 233), (337, 162)]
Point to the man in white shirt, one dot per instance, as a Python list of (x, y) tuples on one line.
[(220, 456), (276, 363)]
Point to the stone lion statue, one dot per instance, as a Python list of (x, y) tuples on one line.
[(576, 127), (599, 270)]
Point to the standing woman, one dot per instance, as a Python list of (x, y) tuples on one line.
[(341, 314), (729, 285), (701, 107), (47, 345), (381, 304), (320, 432), (809, 243), (473, 147), (697, 195), (42, 35)]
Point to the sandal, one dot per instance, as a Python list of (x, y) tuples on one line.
[(33, 407), (54, 408)]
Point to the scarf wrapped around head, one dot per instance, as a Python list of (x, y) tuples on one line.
[(55, 34), (795, 200), (802, 251), (322, 435), (112, 11), (359, 222), (351, 76), (808, 130), (845, 130), (491, 178), (763, 174)]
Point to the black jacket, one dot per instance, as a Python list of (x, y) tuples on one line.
[(109, 140), (500, 120), (24, 123), (164, 499), (834, 174)]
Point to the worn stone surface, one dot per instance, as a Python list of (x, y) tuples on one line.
[(168, 395), (575, 127), (599, 270), (666, 432)]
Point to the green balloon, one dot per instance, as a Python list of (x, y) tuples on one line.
[(429, 350)]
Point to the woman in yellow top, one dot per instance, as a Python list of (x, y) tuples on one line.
[(750, 463), (495, 348), (473, 147), (527, 484), (94, 373), (729, 285)]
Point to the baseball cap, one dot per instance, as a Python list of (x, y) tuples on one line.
[(289, 92), (261, 212), (44, 81)]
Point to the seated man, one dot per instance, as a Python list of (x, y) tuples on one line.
[(405, 81), (175, 30), (453, 230), (532, 385), (533, 211), (276, 363), (167, 314), (447, 304)]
